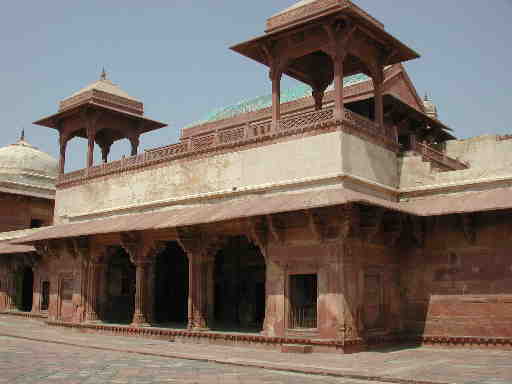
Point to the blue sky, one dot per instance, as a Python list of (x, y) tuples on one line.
[(174, 56)]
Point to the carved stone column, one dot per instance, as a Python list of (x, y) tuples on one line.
[(210, 286), (36, 296), (275, 280), (11, 292), (275, 76), (142, 251), (378, 81), (197, 299), (90, 119), (140, 315), (90, 147), (134, 141), (338, 44), (93, 285), (200, 251), (63, 142)]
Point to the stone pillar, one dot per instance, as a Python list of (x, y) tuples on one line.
[(142, 294), (142, 250), (275, 280), (197, 297), (93, 285), (378, 80), (134, 141), (210, 287), (318, 96), (337, 59), (36, 294), (105, 150), (90, 148), (275, 76), (63, 141), (90, 119), (11, 293)]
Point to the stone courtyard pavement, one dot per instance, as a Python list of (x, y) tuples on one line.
[(31, 352)]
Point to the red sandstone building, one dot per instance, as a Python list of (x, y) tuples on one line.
[(335, 215)]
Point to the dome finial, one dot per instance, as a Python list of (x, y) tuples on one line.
[(103, 75), (22, 137)]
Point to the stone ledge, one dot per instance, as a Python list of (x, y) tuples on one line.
[(212, 337), (28, 315)]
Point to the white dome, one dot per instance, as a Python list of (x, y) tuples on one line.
[(24, 164)]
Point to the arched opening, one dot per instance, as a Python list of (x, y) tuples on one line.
[(239, 281), (171, 287), (25, 289), (120, 288)]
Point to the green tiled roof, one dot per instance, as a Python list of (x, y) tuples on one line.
[(262, 102)]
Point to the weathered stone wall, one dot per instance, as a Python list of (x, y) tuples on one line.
[(16, 212), (65, 274), (460, 283), (488, 156), (368, 161)]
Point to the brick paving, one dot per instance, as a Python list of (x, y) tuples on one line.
[(24, 361), (183, 361)]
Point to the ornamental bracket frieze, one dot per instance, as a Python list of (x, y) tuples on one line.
[(140, 248), (47, 249), (469, 227)]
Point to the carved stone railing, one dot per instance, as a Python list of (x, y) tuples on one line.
[(439, 159), (239, 135), (503, 137), (305, 119)]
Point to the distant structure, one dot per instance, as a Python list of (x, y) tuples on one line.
[(330, 217)]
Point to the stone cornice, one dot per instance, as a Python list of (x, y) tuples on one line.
[(27, 190)]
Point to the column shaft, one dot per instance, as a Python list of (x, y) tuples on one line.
[(92, 294), (11, 293), (379, 106), (140, 315), (276, 100), (90, 151), (338, 87), (197, 300)]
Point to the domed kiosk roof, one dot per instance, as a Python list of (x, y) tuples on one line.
[(26, 170)]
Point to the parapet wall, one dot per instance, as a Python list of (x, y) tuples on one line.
[(198, 178), (488, 157)]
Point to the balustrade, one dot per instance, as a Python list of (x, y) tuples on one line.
[(441, 159)]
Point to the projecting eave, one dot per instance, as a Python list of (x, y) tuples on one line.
[(401, 52), (52, 120), (394, 100)]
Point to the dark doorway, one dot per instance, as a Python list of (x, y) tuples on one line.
[(171, 286), (45, 295), (27, 290), (120, 278), (239, 286), (303, 299)]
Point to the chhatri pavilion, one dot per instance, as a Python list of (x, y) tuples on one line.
[(333, 216)]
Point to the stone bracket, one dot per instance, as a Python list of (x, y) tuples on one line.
[(468, 224), (275, 230)]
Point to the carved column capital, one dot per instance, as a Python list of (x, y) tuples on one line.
[(47, 249), (258, 233)]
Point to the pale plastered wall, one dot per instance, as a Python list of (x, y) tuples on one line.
[(259, 167), (368, 161), (489, 159)]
